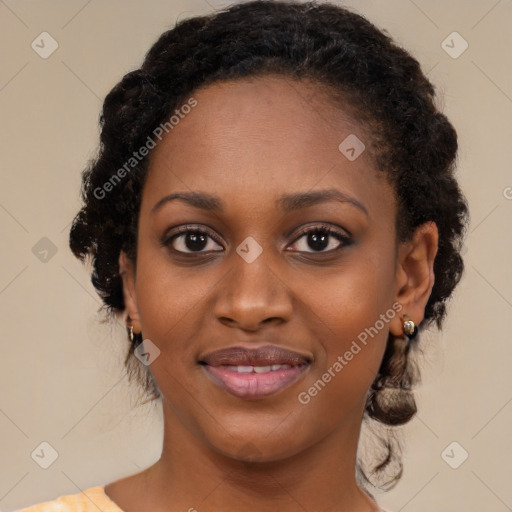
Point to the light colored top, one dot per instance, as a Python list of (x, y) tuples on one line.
[(90, 500)]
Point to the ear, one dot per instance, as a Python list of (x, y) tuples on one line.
[(127, 272), (415, 275)]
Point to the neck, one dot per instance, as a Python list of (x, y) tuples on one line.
[(192, 475)]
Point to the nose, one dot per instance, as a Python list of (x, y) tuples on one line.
[(253, 294)]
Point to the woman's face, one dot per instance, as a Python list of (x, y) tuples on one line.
[(260, 163)]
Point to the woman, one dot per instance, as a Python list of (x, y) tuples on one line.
[(274, 211)]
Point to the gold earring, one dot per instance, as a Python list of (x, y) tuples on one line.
[(410, 329), (135, 337)]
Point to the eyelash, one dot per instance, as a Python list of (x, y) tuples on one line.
[(319, 229)]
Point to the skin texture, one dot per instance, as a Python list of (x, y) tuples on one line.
[(249, 142)]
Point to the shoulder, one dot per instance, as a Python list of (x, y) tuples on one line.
[(89, 500)]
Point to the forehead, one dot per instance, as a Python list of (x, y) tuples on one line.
[(262, 134), (273, 115)]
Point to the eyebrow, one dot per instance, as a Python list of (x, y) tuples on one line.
[(287, 203)]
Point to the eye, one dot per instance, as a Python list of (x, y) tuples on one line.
[(189, 240), (321, 237)]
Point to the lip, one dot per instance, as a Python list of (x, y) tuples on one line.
[(258, 356), (277, 369)]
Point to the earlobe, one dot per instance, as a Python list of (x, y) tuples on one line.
[(415, 275)]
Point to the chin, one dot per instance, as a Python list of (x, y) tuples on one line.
[(254, 444)]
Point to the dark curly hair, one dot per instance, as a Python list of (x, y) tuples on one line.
[(361, 67)]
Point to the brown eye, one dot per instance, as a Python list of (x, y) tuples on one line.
[(321, 238), (189, 241)]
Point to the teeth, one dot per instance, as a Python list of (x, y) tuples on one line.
[(258, 369), (261, 369), (244, 369)]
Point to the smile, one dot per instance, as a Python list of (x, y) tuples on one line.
[(256, 372), (252, 382)]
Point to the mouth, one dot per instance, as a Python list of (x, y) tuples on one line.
[(254, 373)]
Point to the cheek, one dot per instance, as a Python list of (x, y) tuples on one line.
[(353, 310), (351, 298), (349, 355), (167, 295)]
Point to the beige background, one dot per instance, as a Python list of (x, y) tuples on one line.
[(62, 378)]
